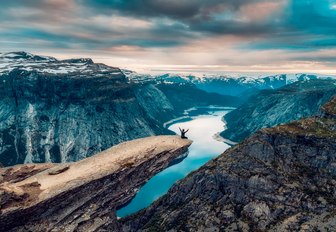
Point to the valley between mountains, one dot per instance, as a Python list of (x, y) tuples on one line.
[(78, 139)]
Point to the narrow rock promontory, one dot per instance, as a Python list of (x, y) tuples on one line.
[(84, 195)]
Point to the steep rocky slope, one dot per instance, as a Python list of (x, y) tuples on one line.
[(272, 107), (82, 196), (280, 179), (65, 110)]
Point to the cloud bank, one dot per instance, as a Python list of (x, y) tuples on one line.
[(232, 34)]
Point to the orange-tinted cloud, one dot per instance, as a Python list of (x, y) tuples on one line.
[(213, 34)]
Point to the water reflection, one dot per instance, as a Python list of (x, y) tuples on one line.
[(201, 130)]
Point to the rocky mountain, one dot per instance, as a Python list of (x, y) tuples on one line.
[(82, 196), (226, 85), (66, 110), (272, 107), (279, 179)]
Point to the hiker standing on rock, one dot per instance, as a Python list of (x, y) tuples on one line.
[(183, 132)]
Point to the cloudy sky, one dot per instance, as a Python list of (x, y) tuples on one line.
[(178, 35)]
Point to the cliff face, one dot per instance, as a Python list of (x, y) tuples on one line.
[(63, 111), (67, 118), (280, 179), (82, 196), (273, 107)]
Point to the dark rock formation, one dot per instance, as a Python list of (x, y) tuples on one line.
[(269, 108), (280, 179), (82, 196), (329, 109)]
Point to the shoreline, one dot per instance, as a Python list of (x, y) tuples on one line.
[(219, 138), (188, 117)]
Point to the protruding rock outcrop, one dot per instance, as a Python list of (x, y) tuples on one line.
[(279, 179), (82, 196)]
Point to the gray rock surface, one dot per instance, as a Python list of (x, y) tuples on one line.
[(279, 179), (65, 118)]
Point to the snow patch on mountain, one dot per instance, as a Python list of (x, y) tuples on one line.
[(49, 65)]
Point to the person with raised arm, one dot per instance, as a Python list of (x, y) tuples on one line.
[(183, 132)]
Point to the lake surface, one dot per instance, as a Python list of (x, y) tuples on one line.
[(205, 147)]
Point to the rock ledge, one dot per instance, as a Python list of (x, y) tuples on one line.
[(82, 196)]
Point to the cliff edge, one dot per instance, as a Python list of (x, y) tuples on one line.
[(82, 196)]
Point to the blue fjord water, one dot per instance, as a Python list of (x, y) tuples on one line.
[(205, 147)]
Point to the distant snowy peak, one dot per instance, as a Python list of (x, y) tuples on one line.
[(49, 65), (79, 61), (225, 84), (187, 78), (135, 77), (22, 56)]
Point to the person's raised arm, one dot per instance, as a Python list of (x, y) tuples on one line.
[(186, 131), (180, 130)]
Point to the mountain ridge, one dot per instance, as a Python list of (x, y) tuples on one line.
[(273, 107), (226, 84)]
